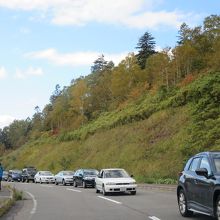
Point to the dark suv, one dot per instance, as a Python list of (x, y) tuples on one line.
[(28, 174), (199, 185), (85, 177)]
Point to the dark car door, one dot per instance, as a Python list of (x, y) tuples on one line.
[(80, 177), (190, 177), (204, 187)]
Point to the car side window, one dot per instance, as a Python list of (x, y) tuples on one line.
[(102, 174), (205, 164), (194, 164)]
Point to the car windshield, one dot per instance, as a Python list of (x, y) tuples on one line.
[(47, 173), (16, 172), (90, 172), (116, 174), (68, 173), (31, 170)]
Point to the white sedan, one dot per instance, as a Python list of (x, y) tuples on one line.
[(115, 180), (44, 177)]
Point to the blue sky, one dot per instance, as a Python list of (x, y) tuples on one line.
[(49, 42)]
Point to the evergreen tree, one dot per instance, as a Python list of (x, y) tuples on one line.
[(99, 64), (146, 47)]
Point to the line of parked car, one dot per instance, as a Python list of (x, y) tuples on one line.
[(105, 181)]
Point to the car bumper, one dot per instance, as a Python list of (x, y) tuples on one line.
[(69, 181), (47, 180), (121, 188), (16, 179), (90, 182)]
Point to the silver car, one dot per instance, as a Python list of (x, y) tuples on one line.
[(44, 177), (64, 177)]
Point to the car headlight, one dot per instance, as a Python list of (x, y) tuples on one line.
[(133, 182), (110, 184)]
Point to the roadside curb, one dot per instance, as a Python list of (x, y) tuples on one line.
[(165, 187), (7, 202)]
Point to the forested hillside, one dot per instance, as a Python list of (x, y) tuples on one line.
[(148, 114)]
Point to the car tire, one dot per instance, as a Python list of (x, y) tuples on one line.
[(63, 182), (217, 208), (103, 191), (74, 183), (96, 190), (84, 184), (182, 203), (133, 193), (40, 181), (56, 183)]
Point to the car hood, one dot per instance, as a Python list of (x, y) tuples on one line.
[(46, 176), (68, 177), (90, 176), (118, 180)]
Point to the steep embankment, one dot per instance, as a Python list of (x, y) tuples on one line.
[(150, 138)]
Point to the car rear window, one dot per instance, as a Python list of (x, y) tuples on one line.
[(217, 164)]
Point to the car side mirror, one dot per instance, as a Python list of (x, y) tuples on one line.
[(202, 172)]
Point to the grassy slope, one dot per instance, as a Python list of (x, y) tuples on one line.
[(149, 148), (150, 139)]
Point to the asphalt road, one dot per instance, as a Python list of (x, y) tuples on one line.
[(51, 202)]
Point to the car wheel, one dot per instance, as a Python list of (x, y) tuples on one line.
[(217, 208), (133, 193), (56, 183), (63, 182), (96, 190), (40, 181), (74, 183), (27, 180), (182, 202), (103, 191), (84, 184)]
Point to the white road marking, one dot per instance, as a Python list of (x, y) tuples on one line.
[(47, 186), (111, 200), (34, 201), (74, 190), (153, 218)]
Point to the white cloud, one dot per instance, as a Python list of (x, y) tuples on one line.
[(73, 59), (5, 120), (31, 71), (3, 72), (132, 13)]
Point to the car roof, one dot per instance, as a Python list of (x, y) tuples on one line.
[(208, 153), (113, 169)]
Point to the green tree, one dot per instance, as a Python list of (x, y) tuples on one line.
[(146, 48)]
